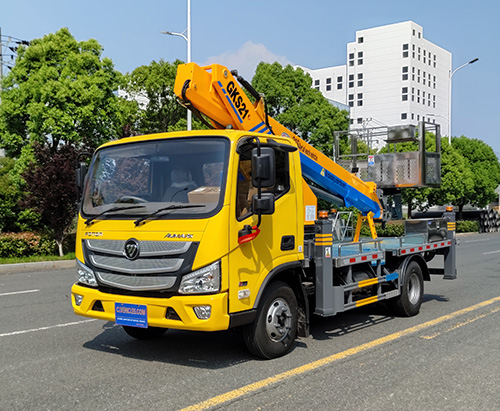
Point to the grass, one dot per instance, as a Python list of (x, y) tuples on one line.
[(35, 259)]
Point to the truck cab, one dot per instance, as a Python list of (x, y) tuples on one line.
[(161, 222)]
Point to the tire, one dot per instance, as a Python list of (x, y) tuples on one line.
[(149, 333), (273, 332), (412, 292)]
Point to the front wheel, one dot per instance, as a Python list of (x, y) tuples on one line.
[(149, 333), (412, 292), (272, 333)]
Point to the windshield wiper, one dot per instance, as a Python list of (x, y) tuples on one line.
[(111, 210), (170, 207)]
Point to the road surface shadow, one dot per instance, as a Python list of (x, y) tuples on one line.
[(224, 349), (207, 350)]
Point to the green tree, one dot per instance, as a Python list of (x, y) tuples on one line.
[(457, 179), (302, 109), (154, 84), (9, 195), (485, 167), (59, 91)]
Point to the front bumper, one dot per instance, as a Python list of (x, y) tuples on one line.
[(157, 309)]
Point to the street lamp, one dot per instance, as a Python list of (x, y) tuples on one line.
[(186, 35), (449, 95)]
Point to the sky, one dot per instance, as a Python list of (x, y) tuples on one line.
[(314, 34)]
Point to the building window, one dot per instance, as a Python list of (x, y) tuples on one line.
[(351, 77), (405, 90), (328, 87), (405, 69), (351, 103), (351, 84), (351, 96), (405, 46), (339, 86), (405, 77), (360, 103), (360, 120), (360, 40), (404, 97), (360, 54), (351, 56), (419, 35), (360, 61), (339, 79), (316, 82), (360, 96), (329, 80), (351, 63), (413, 116), (405, 54), (360, 83), (404, 116)]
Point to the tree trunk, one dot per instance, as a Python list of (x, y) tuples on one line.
[(60, 247), (460, 210), (409, 209)]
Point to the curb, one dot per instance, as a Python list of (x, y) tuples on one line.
[(41, 265)]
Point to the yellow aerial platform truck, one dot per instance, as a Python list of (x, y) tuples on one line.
[(211, 230)]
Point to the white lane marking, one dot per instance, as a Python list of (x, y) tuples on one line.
[(492, 252), (19, 292), (475, 241), (45, 328)]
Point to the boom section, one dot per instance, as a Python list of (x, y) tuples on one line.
[(215, 92)]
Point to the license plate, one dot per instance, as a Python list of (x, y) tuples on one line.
[(133, 315)]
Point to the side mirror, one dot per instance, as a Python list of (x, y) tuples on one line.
[(80, 174), (263, 167), (264, 204)]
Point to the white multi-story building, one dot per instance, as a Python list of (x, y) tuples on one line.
[(393, 76)]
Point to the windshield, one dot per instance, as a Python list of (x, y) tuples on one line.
[(162, 176)]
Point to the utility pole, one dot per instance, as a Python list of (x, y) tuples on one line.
[(186, 35), (1, 64)]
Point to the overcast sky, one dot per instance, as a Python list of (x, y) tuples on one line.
[(240, 34)]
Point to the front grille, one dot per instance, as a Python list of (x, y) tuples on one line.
[(141, 283), (139, 266), (158, 267)]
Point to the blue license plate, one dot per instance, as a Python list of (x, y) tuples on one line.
[(133, 315)]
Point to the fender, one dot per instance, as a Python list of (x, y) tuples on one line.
[(420, 261), (246, 317)]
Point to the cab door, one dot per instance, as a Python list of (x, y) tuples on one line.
[(277, 242)]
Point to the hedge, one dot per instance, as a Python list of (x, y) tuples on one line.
[(26, 244), (397, 228)]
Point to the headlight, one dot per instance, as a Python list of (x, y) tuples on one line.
[(85, 275), (204, 280)]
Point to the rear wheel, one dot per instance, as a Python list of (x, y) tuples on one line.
[(149, 333), (412, 293), (272, 333)]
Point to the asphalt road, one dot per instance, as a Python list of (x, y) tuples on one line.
[(447, 357)]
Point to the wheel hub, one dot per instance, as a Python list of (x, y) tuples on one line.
[(278, 320)]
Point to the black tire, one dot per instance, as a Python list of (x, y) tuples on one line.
[(273, 332), (149, 333), (412, 293)]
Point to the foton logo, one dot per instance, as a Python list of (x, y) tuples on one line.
[(131, 249)]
